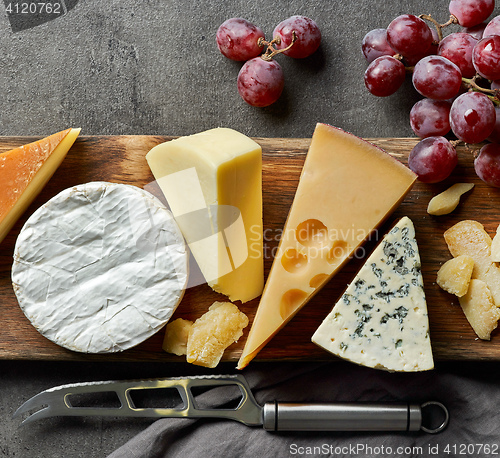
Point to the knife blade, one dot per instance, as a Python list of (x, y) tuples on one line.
[(272, 416)]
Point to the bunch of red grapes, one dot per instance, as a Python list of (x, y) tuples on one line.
[(261, 79), (459, 78)]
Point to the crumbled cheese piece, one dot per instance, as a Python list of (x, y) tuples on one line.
[(495, 246), (455, 274), (448, 200), (176, 336), (469, 237), (479, 309), (213, 332)]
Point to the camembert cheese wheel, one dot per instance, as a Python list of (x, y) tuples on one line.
[(100, 267)]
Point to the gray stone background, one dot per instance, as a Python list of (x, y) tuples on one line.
[(152, 67)]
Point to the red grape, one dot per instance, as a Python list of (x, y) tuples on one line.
[(433, 159), (384, 76), (475, 31), (495, 84), (493, 27), (307, 32), (237, 39), (472, 117), (471, 12), (375, 44), (458, 47), (437, 78), (486, 57), (487, 164), (409, 35), (429, 118), (260, 82), (411, 61)]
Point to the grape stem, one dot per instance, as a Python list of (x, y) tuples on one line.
[(400, 58), (452, 20), (439, 27), (491, 93), (469, 147), (473, 151), (271, 51)]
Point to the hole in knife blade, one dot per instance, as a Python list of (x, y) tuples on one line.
[(226, 397), (107, 399), (157, 398)]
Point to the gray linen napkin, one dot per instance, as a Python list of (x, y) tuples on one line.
[(471, 391)]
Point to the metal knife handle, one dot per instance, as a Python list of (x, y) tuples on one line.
[(348, 417)]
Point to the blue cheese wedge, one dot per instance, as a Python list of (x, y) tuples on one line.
[(381, 319), (100, 267)]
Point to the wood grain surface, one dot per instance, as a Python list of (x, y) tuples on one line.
[(120, 159)]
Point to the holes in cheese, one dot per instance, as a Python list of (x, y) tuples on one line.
[(338, 251), (312, 233), (290, 301), (318, 280), (294, 261)]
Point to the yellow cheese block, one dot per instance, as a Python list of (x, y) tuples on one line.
[(24, 171), (213, 184), (346, 189)]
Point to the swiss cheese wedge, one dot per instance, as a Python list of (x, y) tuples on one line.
[(346, 189), (24, 171)]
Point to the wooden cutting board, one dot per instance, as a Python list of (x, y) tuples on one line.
[(120, 159)]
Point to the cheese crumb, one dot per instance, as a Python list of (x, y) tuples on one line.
[(495, 246), (479, 309), (470, 238), (455, 274), (448, 200), (176, 336), (213, 332)]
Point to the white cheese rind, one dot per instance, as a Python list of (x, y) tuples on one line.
[(381, 319), (100, 267)]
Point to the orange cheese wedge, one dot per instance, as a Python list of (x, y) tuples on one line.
[(347, 188), (24, 171)]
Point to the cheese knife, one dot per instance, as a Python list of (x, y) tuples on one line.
[(272, 416)]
